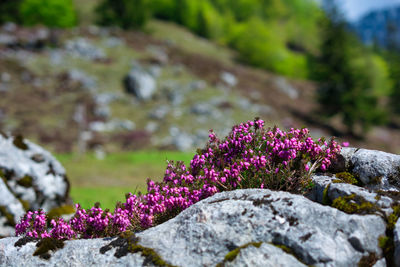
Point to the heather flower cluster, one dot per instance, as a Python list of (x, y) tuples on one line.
[(249, 157)]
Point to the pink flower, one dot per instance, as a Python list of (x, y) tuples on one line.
[(250, 156)]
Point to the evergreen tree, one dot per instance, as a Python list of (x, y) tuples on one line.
[(128, 14), (345, 87), (392, 56), (181, 9), (202, 24), (9, 11)]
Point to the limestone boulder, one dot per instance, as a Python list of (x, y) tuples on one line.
[(244, 227), (31, 179)]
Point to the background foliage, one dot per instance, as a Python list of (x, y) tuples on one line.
[(51, 13)]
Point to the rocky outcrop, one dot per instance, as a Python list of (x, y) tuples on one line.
[(376, 170), (140, 83), (231, 229), (31, 178), (348, 219)]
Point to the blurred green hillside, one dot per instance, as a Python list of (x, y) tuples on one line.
[(288, 37)]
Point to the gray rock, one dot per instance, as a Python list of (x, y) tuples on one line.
[(229, 79), (318, 235), (56, 56), (206, 232), (197, 85), (118, 124), (7, 39), (266, 255), (158, 54), (183, 141), (103, 111), (10, 27), (5, 77), (113, 125), (140, 83), (371, 165), (285, 87), (178, 70), (152, 126), (112, 42), (84, 79), (94, 30), (82, 48), (155, 71), (31, 174), (4, 87), (336, 190), (377, 170), (160, 112), (201, 138), (175, 97), (320, 183), (263, 109), (244, 103), (380, 263), (84, 252), (106, 98), (202, 109), (10, 204)]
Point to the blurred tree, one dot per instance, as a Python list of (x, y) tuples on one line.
[(392, 55), (346, 86), (162, 9), (202, 24), (9, 11), (51, 13), (127, 14), (181, 8), (395, 75), (272, 34)]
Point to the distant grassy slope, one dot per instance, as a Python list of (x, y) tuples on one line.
[(85, 10), (109, 179), (188, 41)]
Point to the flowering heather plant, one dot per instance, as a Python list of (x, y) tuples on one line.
[(249, 157)]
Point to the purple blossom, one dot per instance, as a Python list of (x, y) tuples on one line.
[(249, 157)]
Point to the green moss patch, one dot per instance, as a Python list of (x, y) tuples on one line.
[(368, 261), (231, 256), (290, 251), (24, 240), (325, 197), (26, 181), (9, 216), (19, 142), (355, 204), (347, 177), (59, 211), (44, 246), (386, 243), (25, 204), (127, 242), (39, 158)]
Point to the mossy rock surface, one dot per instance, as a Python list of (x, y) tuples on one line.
[(346, 177), (26, 181), (127, 242), (9, 216), (355, 204), (59, 211), (44, 246), (231, 256), (20, 143)]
